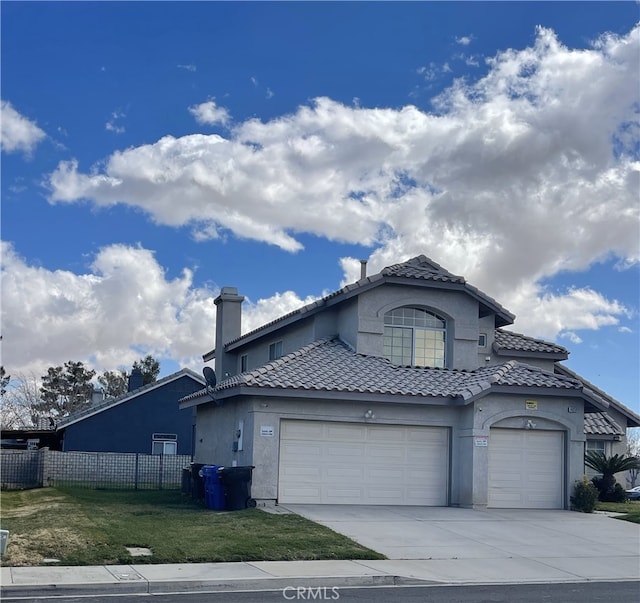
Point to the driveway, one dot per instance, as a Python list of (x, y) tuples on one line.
[(483, 544)]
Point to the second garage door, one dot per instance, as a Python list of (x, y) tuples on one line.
[(526, 469), (347, 463)]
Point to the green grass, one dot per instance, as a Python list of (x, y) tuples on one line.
[(631, 509), (93, 527)]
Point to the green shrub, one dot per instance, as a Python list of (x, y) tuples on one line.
[(609, 492), (585, 496)]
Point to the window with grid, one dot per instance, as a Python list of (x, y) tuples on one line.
[(414, 337), (164, 443)]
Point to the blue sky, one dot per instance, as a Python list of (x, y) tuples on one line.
[(154, 152)]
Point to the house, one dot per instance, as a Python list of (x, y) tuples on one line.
[(146, 419), (402, 388), (30, 439)]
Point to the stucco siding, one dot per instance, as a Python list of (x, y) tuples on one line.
[(458, 308)]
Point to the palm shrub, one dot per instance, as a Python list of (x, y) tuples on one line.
[(608, 466)]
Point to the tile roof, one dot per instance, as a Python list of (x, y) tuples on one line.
[(599, 423), (423, 268), (508, 341), (332, 366)]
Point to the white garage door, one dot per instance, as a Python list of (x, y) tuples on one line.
[(347, 463), (526, 469)]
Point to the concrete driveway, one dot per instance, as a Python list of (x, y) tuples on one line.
[(489, 545)]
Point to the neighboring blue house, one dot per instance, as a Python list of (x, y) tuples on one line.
[(147, 419)]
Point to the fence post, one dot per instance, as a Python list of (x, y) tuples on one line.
[(161, 467), (43, 458), (135, 484)]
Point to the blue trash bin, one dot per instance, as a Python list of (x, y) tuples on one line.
[(213, 489)]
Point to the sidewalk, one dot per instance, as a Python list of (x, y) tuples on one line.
[(276, 575), (444, 546)]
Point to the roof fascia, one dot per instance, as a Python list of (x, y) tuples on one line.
[(524, 354), (270, 392)]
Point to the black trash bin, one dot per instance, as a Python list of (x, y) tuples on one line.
[(197, 483), (186, 481), (237, 487)]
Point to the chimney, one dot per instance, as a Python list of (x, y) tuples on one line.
[(97, 397), (228, 323), (136, 380), (363, 269)]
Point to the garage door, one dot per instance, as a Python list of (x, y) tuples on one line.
[(346, 463), (526, 469)]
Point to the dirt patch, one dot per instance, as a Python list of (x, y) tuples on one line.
[(24, 510), (27, 550)]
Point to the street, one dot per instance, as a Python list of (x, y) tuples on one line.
[(593, 592)]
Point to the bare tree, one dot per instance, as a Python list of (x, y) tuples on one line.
[(633, 449), (19, 400)]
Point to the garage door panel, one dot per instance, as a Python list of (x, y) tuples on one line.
[(379, 453), (344, 472), (363, 464), (345, 451), (344, 432), (295, 448), (306, 430), (526, 469)]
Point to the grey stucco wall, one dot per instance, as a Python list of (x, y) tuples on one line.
[(216, 428), (293, 338), (469, 474), (460, 310)]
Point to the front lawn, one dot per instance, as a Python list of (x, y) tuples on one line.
[(93, 527), (631, 509)]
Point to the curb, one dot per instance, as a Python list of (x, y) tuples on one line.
[(144, 586)]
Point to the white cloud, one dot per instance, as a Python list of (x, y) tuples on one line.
[(571, 336), (189, 67), (464, 40), (210, 113), (122, 307), (550, 315), (112, 125), (17, 133), (529, 171)]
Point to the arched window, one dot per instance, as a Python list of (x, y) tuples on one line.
[(414, 337)]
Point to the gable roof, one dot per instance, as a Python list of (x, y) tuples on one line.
[(111, 403), (330, 365), (420, 268), (508, 343), (633, 419)]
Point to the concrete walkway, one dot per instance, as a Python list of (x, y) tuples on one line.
[(424, 545)]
